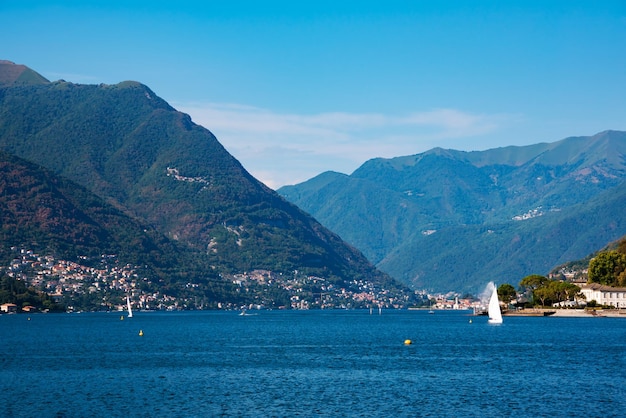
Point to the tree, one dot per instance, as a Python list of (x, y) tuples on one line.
[(559, 291), (506, 292), (550, 291), (533, 282), (608, 268), (567, 291), (543, 293)]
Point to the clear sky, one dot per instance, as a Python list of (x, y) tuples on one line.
[(295, 88)]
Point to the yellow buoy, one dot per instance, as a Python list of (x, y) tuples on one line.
[(122, 318), (408, 342), (470, 321), (141, 333)]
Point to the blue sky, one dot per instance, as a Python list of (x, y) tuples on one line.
[(293, 89)]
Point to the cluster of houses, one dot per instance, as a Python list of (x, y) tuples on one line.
[(61, 278), (312, 292), (64, 280)]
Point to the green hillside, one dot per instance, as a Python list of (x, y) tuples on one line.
[(52, 216), (153, 164), (58, 216), (452, 220)]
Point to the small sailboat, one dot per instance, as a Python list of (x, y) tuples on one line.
[(130, 311), (244, 312), (495, 315)]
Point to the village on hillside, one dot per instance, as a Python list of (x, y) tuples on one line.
[(105, 287), (79, 287)]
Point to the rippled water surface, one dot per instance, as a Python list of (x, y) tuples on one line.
[(318, 363)]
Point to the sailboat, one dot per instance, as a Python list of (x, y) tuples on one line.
[(130, 311), (495, 315)]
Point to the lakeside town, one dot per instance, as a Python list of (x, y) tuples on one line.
[(79, 287), (105, 286)]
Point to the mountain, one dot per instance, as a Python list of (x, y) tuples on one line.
[(453, 220), (154, 165), (11, 73), (58, 216), (50, 215)]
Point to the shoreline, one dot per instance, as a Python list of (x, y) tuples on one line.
[(570, 313), (600, 313)]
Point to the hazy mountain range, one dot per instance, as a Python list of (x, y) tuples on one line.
[(453, 220)]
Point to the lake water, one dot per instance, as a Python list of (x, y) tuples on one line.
[(310, 363)]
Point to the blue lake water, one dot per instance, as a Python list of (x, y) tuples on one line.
[(310, 363)]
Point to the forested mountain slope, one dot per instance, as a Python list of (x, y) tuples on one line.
[(448, 219), (153, 164)]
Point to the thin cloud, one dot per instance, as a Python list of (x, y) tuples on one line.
[(239, 118), (284, 148)]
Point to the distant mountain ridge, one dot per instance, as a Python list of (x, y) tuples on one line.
[(153, 164), (453, 220)]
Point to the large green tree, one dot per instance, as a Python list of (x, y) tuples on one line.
[(506, 292), (533, 282), (608, 268), (543, 293)]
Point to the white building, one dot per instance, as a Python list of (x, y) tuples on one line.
[(8, 308), (605, 295)]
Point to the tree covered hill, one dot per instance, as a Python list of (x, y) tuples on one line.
[(453, 220), (50, 214), (154, 165), (56, 218)]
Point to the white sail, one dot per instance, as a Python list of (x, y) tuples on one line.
[(130, 311), (495, 315)]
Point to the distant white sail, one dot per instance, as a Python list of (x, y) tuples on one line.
[(495, 315), (130, 311)]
